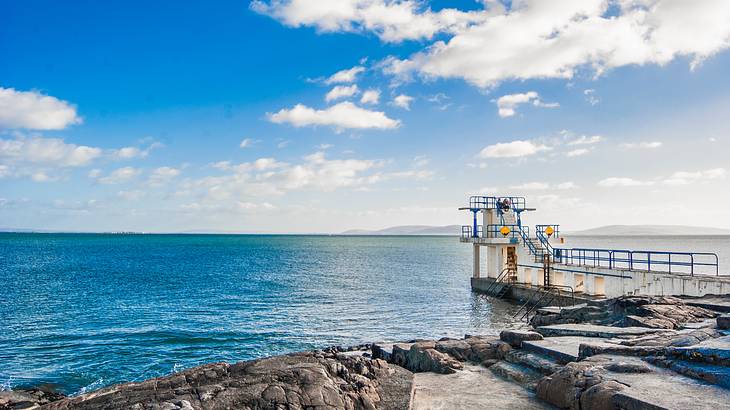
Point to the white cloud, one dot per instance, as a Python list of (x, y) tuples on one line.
[(508, 104), (532, 186), (643, 144), (512, 149), (577, 152), (53, 152), (341, 116), (345, 76), (535, 39), (567, 185), (33, 110), (403, 101), (247, 142), (119, 176), (341, 91), (622, 182), (686, 178), (370, 97), (163, 175), (586, 140), (542, 186), (134, 152), (392, 21), (131, 195), (590, 96)]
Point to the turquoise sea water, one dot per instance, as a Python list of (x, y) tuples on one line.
[(81, 311)]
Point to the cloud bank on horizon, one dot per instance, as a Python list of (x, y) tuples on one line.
[(443, 102)]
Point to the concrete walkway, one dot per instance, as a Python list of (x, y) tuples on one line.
[(473, 388)]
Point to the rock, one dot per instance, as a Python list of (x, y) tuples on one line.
[(422, 357), (600, 396), (723, 322), (515, 337), (27, 398), (322, 380), (565, 387)]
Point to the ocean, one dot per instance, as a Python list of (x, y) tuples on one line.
[(82, 311)]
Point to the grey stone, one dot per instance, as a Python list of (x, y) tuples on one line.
[(304, 380), (515, 337)]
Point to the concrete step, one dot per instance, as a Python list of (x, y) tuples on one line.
[(517, 373), (474, 388), (665, 389), (543, 364)]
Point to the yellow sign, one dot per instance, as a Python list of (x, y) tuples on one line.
[(549, 231), (505, 230)]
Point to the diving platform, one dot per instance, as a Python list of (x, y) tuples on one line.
[(520, 258)]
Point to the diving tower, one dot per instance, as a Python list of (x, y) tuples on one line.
[(519, 258)]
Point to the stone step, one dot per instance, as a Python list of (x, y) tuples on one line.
[(588, 330), (564, 349), (714, 374), (543, 364), (517, 373)]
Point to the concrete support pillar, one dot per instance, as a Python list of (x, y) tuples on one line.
[(492, 262), (476, 261)]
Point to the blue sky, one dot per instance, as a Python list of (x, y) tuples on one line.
[(178, 116)]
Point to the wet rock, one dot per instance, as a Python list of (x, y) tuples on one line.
[(319, 380), (515, 337), (723, 322)]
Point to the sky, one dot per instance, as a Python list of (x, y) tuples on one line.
[(295, 116)]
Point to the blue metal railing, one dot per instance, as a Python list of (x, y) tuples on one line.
[(493, 231), (497, 202), (700, 263)]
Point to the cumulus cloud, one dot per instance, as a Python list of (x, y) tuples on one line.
[(642, 145), (134, 152), (341, 91), (344, 115), (512, 149), (163, 175), (686, 178), (622, 182), (537, 39), (370, 97), (508, 104), (392, 21), (345, 76), (45, 152), (33, 110), (403, 101), (118, 176)]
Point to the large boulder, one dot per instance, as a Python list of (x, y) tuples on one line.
[(304, 380), (515, 337)]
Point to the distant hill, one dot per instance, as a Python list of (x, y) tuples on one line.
[(453, 230), (649, 230)]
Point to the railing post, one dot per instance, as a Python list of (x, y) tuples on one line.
[(648, 261)]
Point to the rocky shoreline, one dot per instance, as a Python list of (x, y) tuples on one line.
[(627, 353)]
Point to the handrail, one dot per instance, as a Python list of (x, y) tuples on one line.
[(493, 202), (497, 280), (651, 261), (545, 290)]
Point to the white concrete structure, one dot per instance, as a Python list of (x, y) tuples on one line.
[(589, 272)]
